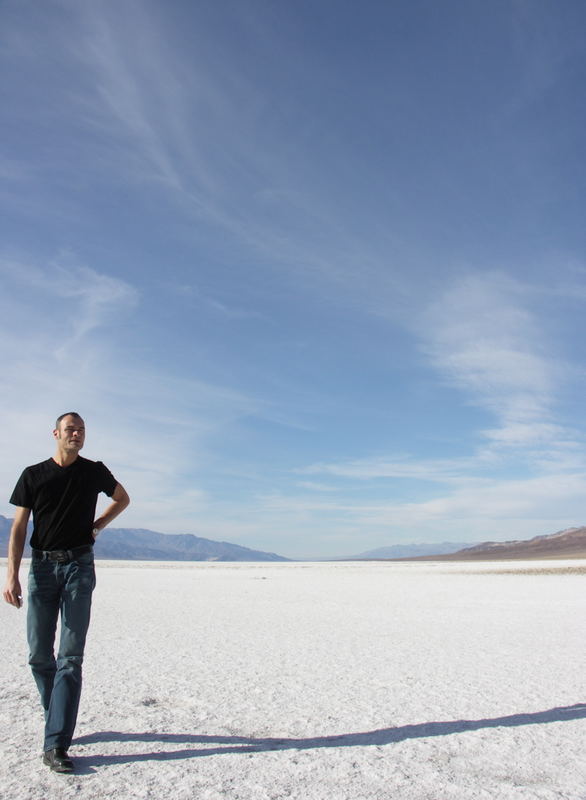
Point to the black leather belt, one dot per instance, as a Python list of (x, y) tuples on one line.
[(62, 556)]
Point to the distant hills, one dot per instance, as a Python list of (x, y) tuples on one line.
[(143, 545), (137, 544), (569, 543), (409, 551)]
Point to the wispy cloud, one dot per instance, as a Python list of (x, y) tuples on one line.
[(178, 122), (520, 507), (77, 298), (196, 297), (435, 470), (133, 85), (202, 137), (81, 298), (152, 427), (313, 486), (482, 337)]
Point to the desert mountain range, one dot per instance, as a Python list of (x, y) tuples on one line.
[(144, 545), (569, 543)]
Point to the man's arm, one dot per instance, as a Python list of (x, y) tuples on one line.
[(120, 500), (12, 590)]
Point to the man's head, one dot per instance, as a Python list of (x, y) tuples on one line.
[(69, 432)]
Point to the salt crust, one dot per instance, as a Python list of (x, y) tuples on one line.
[(338, 681)]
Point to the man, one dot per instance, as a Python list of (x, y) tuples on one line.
[(62, 494)]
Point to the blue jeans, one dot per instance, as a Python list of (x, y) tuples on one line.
[(55, 589)]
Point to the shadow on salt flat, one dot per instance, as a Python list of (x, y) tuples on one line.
[(244, 744)]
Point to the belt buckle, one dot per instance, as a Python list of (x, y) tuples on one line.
[(60, 556)]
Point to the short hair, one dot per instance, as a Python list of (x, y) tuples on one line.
[(67, 414)]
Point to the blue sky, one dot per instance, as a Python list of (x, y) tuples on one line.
[(313, 272)]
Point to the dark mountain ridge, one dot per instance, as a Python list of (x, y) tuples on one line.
[(138, 544)]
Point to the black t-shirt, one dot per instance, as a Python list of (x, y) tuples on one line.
[(63, 501)]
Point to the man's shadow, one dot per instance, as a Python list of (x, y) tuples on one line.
[(244, 744)]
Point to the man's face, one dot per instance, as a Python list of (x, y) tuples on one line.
[(70, 434)]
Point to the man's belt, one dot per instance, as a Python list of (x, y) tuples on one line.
[(62, 556)]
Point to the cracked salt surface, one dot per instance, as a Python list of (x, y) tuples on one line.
[(357, 681)]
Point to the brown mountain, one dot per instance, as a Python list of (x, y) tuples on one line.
[(570, 543)]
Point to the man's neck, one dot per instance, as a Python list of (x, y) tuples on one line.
[(64, 459)]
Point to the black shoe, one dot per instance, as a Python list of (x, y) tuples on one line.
[(58, 760)]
